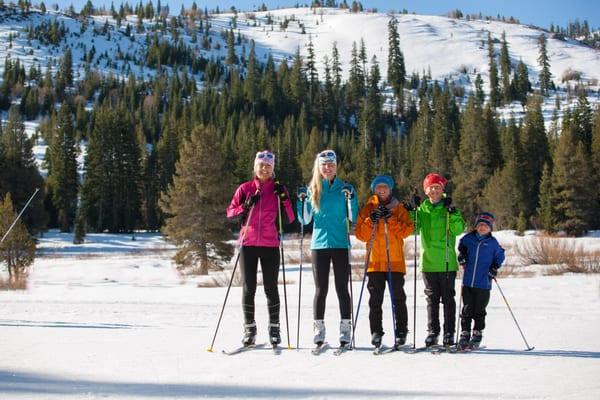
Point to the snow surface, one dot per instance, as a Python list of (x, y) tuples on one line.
[(113, 319)]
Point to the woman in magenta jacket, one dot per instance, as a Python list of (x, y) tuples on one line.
[(260, 240)]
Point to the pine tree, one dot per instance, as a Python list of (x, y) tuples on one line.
[(396, 68), (582, 120), (313, 145), (194, 203), (534, 143), (473, 164), (18, 248), (505, 70), (420, 144), (520, 84), (440, 153), (493, 68), (545, 211), (19, 175), (595, 164), (479, 93), (63, 177), (231, 58), (544, 63), (571, 189)]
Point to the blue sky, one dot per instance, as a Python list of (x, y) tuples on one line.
[(537, 12)]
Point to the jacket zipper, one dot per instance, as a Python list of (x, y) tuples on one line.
[(476, 261)]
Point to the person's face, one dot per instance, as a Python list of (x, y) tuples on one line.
[(434, 192), (264, 171), (382, 191), (483, 228), (328, 170)]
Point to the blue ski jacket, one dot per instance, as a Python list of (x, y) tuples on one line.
[(330, 229), (481, 254)]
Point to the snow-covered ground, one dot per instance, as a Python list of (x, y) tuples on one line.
[(113, 319)]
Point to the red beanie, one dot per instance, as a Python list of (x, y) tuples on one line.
[(432, 179)]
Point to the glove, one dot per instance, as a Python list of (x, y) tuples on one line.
[(416, 200), (375, 216), (462, 259), (408, 206), (384, 212), (251, 201), (348, 191), (302, 192), (493, 271), (447, 201), (280, 191)]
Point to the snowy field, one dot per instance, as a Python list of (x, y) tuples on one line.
[(113, 319)]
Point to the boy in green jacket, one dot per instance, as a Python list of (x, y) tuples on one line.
[(438, 222)]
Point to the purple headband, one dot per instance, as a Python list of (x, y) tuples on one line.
[(266, 157)]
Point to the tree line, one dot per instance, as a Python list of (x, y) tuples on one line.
[(136, 133)]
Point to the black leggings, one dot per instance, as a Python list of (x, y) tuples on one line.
[(376, 288), (321, 260), (269, 263), (475, 301)]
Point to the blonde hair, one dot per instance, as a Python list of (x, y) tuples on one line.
[(315, 185)]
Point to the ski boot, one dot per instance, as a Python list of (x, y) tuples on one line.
[(476, 339), (431, 339), (376, 339), (463, 340), (448, 339), (400, 339), (319, 331), (274, 334), (345, 332), (249, 334)]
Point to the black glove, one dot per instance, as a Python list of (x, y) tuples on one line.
[(251, 201), (447, 201), (462, 259), (375, 216), (416, 199), (280, 191), (384, 212), (493, 271), (302, 192), (408, 206)]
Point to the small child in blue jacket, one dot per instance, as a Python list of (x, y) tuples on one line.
[(480, 255)]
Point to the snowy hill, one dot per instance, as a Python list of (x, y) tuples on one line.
[(114, 320), (448, 47)]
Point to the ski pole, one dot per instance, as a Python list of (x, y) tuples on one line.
[(302, 199), (458, 314), (245, 229), (287, 322), (529, 348), (348, 222), (362, 287), (19, 216), (389, 270), (416, 231)]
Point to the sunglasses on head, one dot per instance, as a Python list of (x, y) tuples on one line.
[(267, 156), (327, 156)]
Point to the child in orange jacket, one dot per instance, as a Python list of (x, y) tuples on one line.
[(386, 261)]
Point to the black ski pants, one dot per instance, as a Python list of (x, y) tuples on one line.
[(440, 286), (475, 301), (376, 286), (269, 263), (321, 261)]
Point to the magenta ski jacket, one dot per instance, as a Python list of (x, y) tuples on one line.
[(263, 227)]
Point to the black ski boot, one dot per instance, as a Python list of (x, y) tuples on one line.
[(431, 339), (476, 339), (448, 339), (249, 334), (400, 339), (274, 334), (376, 339), (463, 341)]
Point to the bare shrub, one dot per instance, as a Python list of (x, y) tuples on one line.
[(14, 284), (570, 75), (562, 254), (221, 279)]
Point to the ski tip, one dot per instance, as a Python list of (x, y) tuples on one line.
[(530, 348), (210, 350)]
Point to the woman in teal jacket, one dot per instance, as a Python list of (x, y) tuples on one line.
[(328, 201)]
